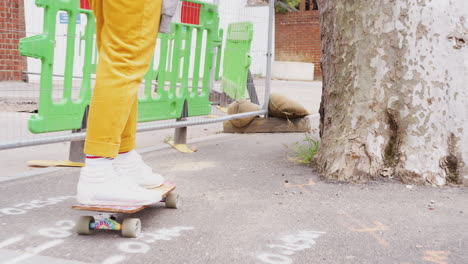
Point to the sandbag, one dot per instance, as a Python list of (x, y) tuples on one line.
[(283, 107), (242, 106)]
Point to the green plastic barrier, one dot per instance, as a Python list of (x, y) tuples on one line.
[(237, 59), (184, 41), (66, 114), (171, 74)]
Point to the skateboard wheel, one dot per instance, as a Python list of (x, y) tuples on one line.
[(82, 225), (131, 227), (172, 200)]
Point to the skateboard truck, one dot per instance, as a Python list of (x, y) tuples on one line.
[(130, 227)]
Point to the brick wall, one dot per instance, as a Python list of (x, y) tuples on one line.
[(298, 38), (12, 28)]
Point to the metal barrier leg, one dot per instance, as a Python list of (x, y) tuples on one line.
[(77, 147), (223, 100), (251, 89), (180, 135), (76, 150)]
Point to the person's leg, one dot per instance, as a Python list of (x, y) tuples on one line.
[(128, 39), (129, 163), (129, 133), (126, 35)]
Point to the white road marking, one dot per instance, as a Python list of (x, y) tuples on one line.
[(54, 232), (274, 259), (34, 251), (12, 211), (22, 208), (114, 260), (134, 247), (291, 244), (6, 254), (10, 241), (65, 224)]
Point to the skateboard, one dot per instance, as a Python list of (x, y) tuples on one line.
[(130, 227)]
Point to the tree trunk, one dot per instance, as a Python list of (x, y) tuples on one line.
[(395, 90)]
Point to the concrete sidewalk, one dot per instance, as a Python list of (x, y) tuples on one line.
[(16, 125), (243, 202)]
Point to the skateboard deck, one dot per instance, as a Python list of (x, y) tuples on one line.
[(130, 227), (162, 190)]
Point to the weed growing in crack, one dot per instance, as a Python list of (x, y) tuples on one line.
[(304, 152)]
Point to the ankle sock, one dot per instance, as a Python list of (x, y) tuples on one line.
[(124, 155), (93, 161)]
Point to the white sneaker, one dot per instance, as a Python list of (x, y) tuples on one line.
[(132, 166), (101, 185)]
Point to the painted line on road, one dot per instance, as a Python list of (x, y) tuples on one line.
[(372, 231), (142, 244), (290, 245), (379, 227), (23, 208), (301, 186), (6, 254), (10, 241), (114, 259), (34, 251), (438, 257)]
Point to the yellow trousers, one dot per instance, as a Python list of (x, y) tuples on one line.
[(126, 33)]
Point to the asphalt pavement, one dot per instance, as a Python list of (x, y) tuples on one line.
[(243, 201)]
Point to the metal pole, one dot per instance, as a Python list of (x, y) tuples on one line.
[(251, 89), (180, 134), (76, 153), (141, 128), (215, 55), (269, 54)]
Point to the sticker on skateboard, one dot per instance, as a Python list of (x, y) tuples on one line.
[(130, 227)]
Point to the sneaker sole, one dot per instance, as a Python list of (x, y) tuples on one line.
[(104, 203), (151, 186)]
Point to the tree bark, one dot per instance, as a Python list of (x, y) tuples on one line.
[(395, 90)]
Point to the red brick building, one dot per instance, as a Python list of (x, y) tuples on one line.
[(298, 36), (12, 29)]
